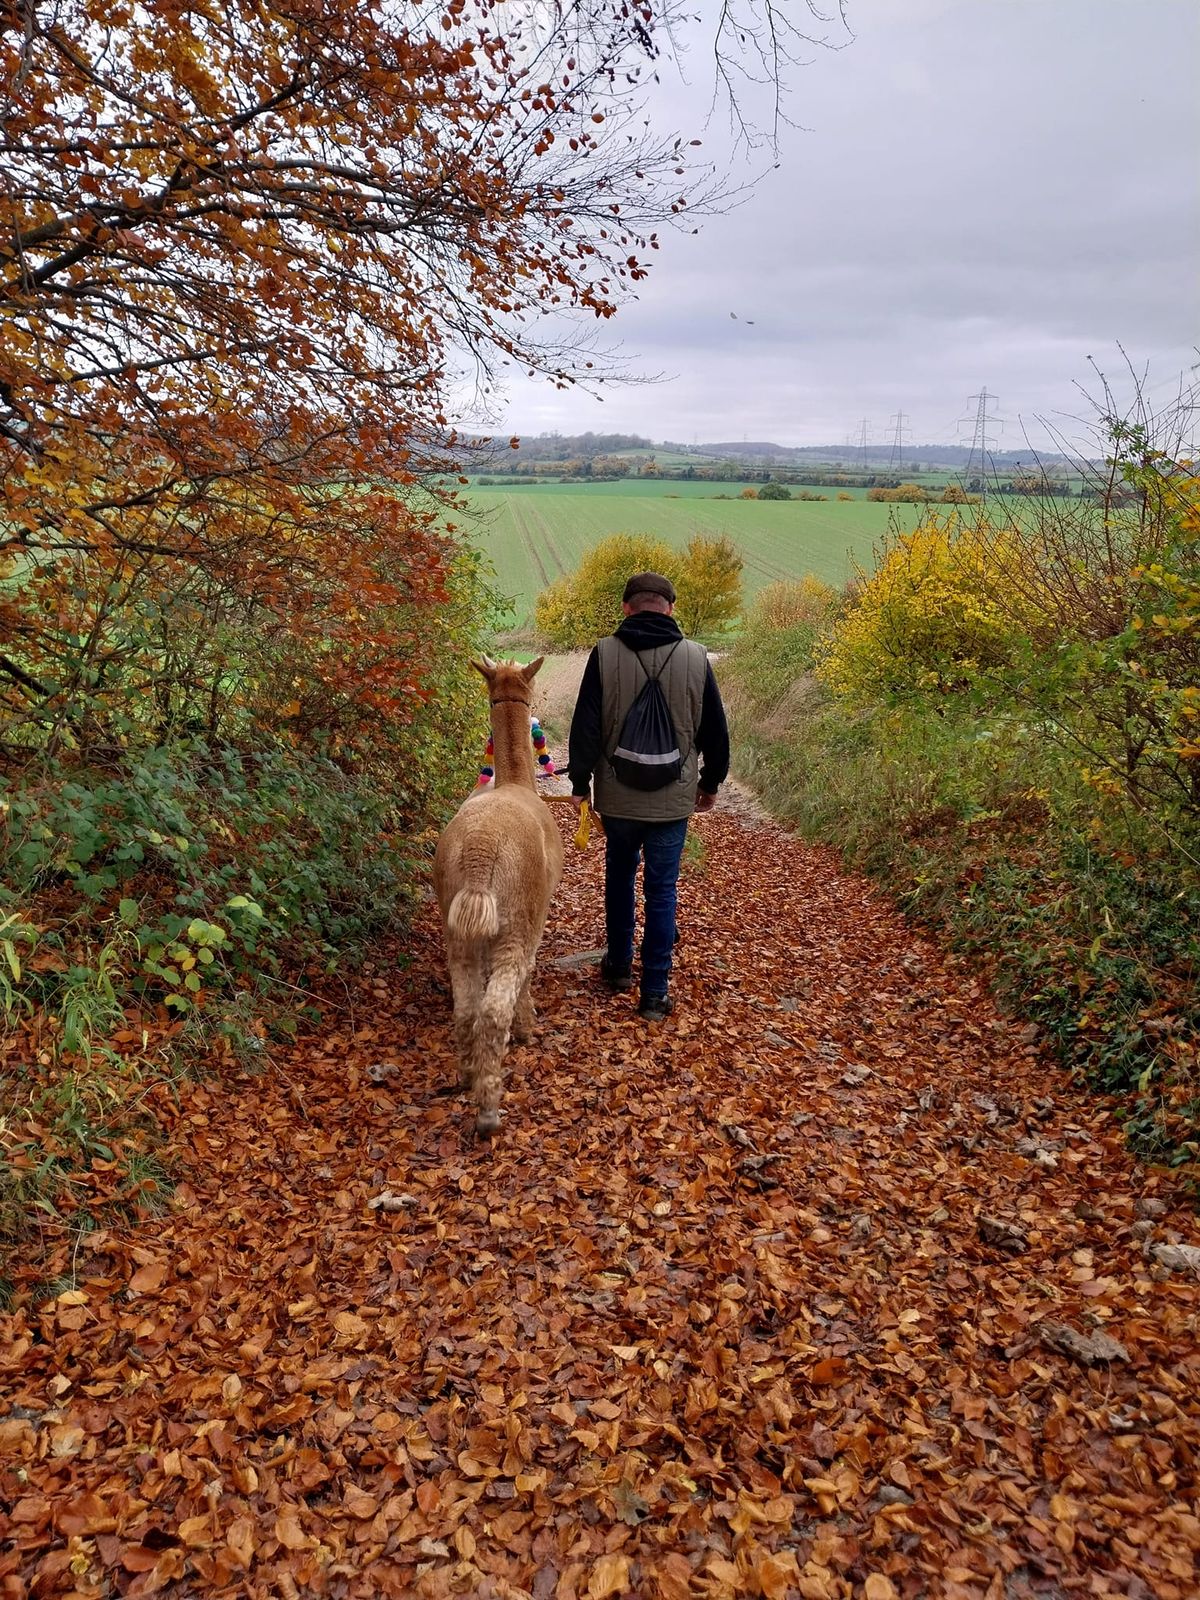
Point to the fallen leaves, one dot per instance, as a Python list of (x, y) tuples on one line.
[(349, 1328), (994, 1230), (1177, 1257), (362, 1357), (288, 1530), (609, 1576), (1089, 1348), (148, 1278)]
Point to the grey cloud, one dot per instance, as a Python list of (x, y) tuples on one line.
[(990, 192)]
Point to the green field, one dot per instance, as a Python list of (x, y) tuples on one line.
[(534, 533)]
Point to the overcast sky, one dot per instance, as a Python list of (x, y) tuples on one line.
[(984, 193)]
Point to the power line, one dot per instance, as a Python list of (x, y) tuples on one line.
[(863, 442)]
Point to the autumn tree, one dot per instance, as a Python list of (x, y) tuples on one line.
[(774, 650), (244, 252), (902, 494), (709, 586), (792, 602)]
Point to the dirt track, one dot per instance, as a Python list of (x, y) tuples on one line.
[(825, 1287)]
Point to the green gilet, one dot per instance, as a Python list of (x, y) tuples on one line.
[(621, 680)]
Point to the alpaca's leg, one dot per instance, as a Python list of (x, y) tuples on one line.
[(509, 975), (524, 1016), (466, 982)]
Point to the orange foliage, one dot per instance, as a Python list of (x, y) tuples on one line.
[(242, 246)]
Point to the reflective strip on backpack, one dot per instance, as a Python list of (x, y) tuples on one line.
[(645, 760)]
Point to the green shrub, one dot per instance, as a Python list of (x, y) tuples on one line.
[(984, 828), (1003, 729), (213, 864), (168, 902), (778, 641)]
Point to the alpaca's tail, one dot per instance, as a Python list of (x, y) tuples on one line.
[(474, 915)]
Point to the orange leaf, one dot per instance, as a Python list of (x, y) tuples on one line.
[(610, 1575), (359, 1504), (428, 1496), (347, 1326), (137, 1558), (776, 1575), (288, 1530), (148, 1278), (196, 1531)]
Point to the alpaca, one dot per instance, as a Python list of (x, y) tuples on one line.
[(496, 868)]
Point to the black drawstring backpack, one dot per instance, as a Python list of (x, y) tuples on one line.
[(647, 754)]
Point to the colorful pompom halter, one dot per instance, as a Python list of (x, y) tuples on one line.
[(546, 767)]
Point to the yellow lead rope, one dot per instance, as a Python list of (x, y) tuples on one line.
[(583, 832)]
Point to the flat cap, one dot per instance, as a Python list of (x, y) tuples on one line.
[(649, 583)]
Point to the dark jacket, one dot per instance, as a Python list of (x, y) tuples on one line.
[(600, 710)]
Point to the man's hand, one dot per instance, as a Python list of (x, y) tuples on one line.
[(578, 801), (704, 800)]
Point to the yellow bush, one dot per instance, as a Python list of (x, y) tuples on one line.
[(927, 618), (582, 607), (1182, 498), (552, 612), (904, 494), (1165, 662), (791, 602), (709, 586)]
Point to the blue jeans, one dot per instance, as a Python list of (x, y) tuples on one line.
[(661, 844)]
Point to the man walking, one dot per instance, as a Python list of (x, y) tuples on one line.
[(642, 824)]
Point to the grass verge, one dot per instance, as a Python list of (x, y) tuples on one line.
[(981, 829)]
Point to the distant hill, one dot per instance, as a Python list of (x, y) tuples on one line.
[(564, 446), (930, 455), (554, 447)]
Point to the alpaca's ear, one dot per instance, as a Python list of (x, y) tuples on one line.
[(530, 672), (484, 666)]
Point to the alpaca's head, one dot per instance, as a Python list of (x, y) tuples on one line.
[(507, 681)]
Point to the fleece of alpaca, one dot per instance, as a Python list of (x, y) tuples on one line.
[(497, 865)]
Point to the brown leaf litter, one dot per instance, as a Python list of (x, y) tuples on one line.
[(777, 1298)]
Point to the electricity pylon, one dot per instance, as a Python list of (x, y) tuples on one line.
[(978, 457), (896, 459)]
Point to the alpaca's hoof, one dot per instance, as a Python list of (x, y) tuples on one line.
[(487, 1123)]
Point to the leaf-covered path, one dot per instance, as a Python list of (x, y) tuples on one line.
[(825, 1287)]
